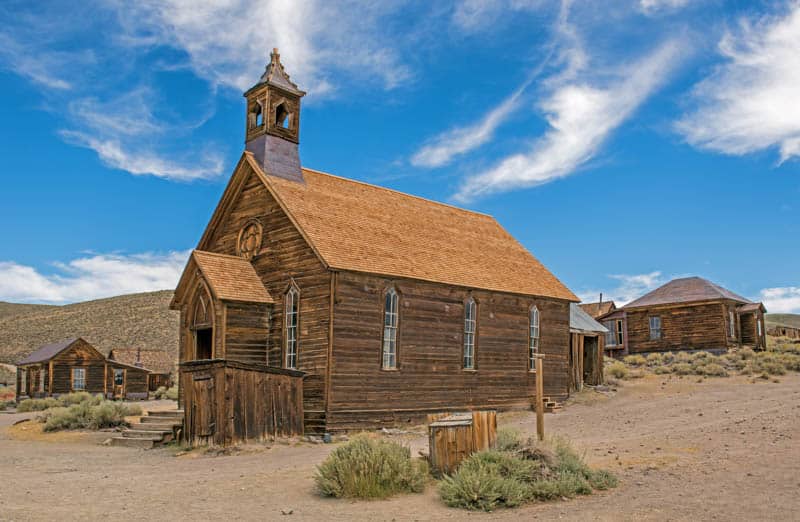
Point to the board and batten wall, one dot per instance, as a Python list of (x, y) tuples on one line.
[(430, 375)]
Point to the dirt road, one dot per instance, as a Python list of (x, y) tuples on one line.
[(722, 449)]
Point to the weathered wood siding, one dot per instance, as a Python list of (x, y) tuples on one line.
[(135, 385), (227, 402), (247, 332), (700, 326), (429, 377), (285, 257)]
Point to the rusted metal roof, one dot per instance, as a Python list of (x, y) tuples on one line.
[(581, 322), (47, 352), (686, 290)]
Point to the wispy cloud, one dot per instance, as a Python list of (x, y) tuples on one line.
[(227, 42), (749, 103), (627, 287), (581, 114), (474, 15), (655, 6), (92, 277), (782, 300)]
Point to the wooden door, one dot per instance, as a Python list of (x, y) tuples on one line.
[(120, 376), (203, 407)]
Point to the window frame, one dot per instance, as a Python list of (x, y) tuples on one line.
[(122, 373), (291, 333), (23, 381), (656, 334), (391, 296), (759, 328), (534, 336), (732, 324), (75, 380), (619, 333), (469, 341), (610, 335)]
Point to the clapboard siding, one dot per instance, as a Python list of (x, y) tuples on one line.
[(285, 258), (430, 375), (701, 326)]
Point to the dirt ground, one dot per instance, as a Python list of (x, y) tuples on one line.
[(723, 449)]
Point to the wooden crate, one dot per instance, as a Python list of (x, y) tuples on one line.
[(454, 437)]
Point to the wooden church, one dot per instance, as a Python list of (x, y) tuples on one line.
[(387, 306)]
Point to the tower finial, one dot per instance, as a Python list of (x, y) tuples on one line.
[(275, 56)]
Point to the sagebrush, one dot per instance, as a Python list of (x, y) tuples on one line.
[(524, 471), (370, 468)]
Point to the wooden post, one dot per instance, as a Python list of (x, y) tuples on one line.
[(539, 398)]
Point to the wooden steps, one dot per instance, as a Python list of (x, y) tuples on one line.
[(155, 428), (550, 406)]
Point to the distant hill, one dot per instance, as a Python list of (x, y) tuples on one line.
[(784, 319), (127, 321)]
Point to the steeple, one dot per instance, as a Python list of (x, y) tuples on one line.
[(273, 121)]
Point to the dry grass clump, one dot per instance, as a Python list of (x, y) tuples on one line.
[(166, 393), (781, 358), (89, 414), (617, 370), (368, 468), (37, 404), (635, 360), (531, 472)]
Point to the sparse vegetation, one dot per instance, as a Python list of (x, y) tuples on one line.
[(79, 411), (370, 468), (783, 356), (528, 471), (166, 393)]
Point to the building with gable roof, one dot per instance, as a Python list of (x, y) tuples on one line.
[(392, 305)]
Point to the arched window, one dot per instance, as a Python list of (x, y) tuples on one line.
[(256, 117), (203, 326), (390, 323), (533, 338), (291, 319), (282, 117), (470, 327)]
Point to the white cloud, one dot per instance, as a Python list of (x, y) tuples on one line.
[(655, 6), (473, 15), (784, 300), (444, 148), (228, 41), (93, 277), (627, 288), (581, 115), (750, 103)]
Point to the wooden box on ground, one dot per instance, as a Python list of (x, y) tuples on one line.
[(227, 402), (452, 438)]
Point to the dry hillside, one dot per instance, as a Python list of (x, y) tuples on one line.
[(135, 320), (784, 319)]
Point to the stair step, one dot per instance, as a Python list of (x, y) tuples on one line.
[(132, 443), (139, 434), (161, 420), (154, 427), (165, 413)]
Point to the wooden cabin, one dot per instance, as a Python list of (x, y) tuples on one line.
[(159, 363), (687, 314), (783, 330), (75, 365), (587, 341), (392, 306)]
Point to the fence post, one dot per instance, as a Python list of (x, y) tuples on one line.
[(539, 397)]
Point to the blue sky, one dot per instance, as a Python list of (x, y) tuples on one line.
[(623, 146)]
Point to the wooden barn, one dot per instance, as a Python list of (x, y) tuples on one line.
[(587, 341), (75, 365), (392, 306), (160, 364), (686, 314)]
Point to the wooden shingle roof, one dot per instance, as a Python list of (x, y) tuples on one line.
[(598, 309), (686, 290), (157, 361), (360, 227), (231, 278)]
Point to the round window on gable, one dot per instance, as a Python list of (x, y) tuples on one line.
[(250, 238)]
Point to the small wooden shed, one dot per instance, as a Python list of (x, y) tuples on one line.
[(126, 381), (587, 339), (160, 364), (227, 402), (454, 437)]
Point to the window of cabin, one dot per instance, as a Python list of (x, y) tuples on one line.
[(79, 378), (758, 325), (390, 323), (119, 377), (611, 338), (23, 381), (732, 324), (533, 338), (620, 340), (292, 316), (655, 328), (470, 327)]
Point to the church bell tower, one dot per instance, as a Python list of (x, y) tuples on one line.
[(273, 121)]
